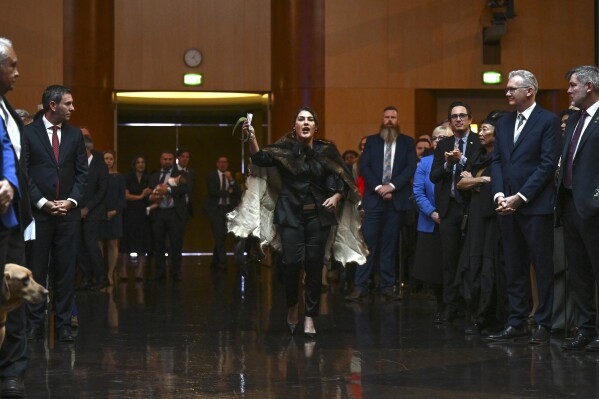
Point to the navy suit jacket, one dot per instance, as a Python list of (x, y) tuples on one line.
[(527, 166), (71, 169), (178, 193), (442, 178), (371, 168), (95, 188), (585, 168)]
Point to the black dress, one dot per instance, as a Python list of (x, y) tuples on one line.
[(136, 223), (114, 201), (481, 262)]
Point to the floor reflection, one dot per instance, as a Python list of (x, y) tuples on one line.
[(222, 334)]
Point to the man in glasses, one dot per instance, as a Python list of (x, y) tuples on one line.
[(527, 147), (451, 156)]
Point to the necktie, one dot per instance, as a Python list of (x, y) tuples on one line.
[(457, 171), (56, 151), (163, 176), (55, 143), (567, 179), (387, 164), (223, 184), (521, 120)]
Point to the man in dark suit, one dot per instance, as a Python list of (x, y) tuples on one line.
[(183, 157), (223, 196), (169, 187), (54, 158), (387, 166), (13, 353), (93, 214), (451, 156), (578, 203), (527, 147)]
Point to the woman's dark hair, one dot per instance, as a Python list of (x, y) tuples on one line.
[(134, 161), (493, 117), (310, 110), (568, 112)]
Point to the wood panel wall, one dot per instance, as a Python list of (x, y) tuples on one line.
[(386, 52), (35, 28), (152, 35)]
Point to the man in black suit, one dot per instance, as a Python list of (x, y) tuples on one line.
[(169, 188), (183, 157), (13, 353), (451, 156), (54, 158), (387, 166), (93, 214), (527, 147), (223, 196), (578, 203)]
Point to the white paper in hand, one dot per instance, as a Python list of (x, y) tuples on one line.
[(249, 118)]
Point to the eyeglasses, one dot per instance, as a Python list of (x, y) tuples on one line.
[(461, 117), (512, 90), (436, 138)]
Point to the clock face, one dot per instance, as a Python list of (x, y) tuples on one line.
[(192, 58)]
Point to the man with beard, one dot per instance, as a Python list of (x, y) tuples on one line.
[(451, 156), (387, 166)]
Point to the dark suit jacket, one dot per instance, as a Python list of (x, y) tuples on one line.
[(95, 188), (215, 193), (443, 178), (191, 177), (24, 203), (528, 166), (178, 192), (404, 166), (585, 168), (71, 169)]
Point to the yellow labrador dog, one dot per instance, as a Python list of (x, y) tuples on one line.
[(19, 286)]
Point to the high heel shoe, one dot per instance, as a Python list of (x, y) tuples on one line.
[(309, 332), (292, 315), (291, 328)]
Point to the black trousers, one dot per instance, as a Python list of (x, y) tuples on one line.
[(60, 238), (304, 246), (218, 222), (91, 260), (13, 354), (581, 238), (451, 244), (167, 223)]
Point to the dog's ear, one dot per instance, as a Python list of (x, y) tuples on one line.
[(4, 290)]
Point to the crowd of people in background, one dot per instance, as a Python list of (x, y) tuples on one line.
[(477, 213)]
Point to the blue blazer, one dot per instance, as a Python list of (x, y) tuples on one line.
[(424, 194), (527, 166), (371, 168)]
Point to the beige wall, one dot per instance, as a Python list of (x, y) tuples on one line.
[(35, 28), (378, 51), (152, 35)]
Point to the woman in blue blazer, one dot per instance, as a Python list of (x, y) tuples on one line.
[(428, 259)]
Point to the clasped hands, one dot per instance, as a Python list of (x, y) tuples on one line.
[(385, 191), (508, 205), (58, 207), (7, 193)]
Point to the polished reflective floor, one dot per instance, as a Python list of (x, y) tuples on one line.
[(217, 334)]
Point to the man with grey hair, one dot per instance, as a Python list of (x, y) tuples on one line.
[(527, 147), (13, 353), (578, 203)]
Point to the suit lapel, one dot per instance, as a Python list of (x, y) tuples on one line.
[(44, 140), (528, 126), (590, 130)]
